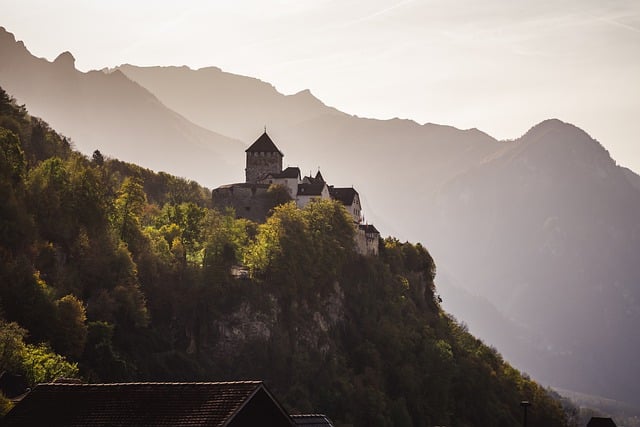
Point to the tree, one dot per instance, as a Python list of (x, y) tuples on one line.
[(12, 162), (71, 330), (42, 365), (97, 158), (51, 200), (278, 195), (37, 362), (225, 241), (129, 206), (11, 346), (14, 220)]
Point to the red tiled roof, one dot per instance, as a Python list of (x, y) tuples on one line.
[(133, 404)]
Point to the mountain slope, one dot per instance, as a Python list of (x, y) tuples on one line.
[(124, 291), (542, 228), (115, 115), (554, 238)]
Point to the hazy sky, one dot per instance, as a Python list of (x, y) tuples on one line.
[(497, 65)]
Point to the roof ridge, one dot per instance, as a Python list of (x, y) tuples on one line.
[(307, 415), (247, 382)]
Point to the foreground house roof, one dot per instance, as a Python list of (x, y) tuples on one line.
[(601, 422), (230, 404), (312, 420), (264, 144)]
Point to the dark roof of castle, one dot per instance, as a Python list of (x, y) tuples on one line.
[(345, 195), (601, 422), (318, 179), (312, 420), (369, 229), (290, 172), (264, 144), (311, 189), (242, 185), (137, 404)]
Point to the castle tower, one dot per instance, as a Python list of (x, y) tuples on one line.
[(263, 157)]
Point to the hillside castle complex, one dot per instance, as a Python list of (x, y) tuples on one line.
[(254, 198)]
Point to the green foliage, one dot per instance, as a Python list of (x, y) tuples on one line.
[(15, 223), (278, 195), (128, 208), (11, 346), (101, 361), (51, 200), (97, 158), (5, 405), (12, 163), (25, 298), (37, 362), (71, 329), (225, 241), (42, 365), (302, 247), (129, 273)]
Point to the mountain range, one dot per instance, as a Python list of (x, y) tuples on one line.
[(535, 238), (113, 114)]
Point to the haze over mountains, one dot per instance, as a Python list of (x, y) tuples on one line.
[(535, 239), (111, 113)]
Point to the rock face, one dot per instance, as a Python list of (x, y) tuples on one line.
[(244, 325), (251, 323)]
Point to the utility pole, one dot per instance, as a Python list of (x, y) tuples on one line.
[(525, 404)]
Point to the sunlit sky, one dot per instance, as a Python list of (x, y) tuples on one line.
[(497, 65)]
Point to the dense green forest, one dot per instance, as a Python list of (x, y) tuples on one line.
[(111, 272)]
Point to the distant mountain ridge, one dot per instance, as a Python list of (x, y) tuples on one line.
[(113, 114), (545, 228), (249, 104)]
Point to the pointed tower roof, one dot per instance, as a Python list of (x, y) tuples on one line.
[(264, 144), (319, 177)]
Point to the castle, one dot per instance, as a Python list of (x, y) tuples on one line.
[(254, 198)]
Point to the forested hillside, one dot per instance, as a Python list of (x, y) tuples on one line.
[(110, 272)]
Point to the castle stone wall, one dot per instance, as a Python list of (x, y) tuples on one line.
[(367, 243), (259, 164), (250, 201)]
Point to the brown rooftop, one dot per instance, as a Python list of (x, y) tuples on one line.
[(148, 404)]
